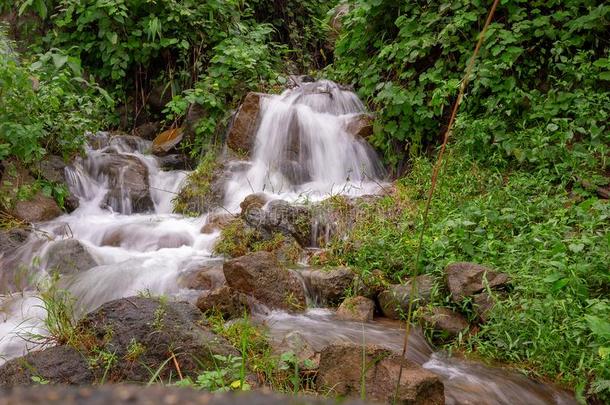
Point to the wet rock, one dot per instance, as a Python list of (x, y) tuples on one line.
[(69, 256), (296, 343), (39, 208), (358, 309), (253, 201), (167, 141), (242, 131), (12, 239), (56, 365), (202, 276), (160, 330), (216, 222), (283, 217), (263, 277), (128, 183), (148, 130), (204, 189), (444, 321), (231, 304), (466, 279), (328, 287), (175, 161), (360, 125), (341, 370), (121, 394), (51, 168), (394, 301)]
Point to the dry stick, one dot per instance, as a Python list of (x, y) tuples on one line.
[(435, 171)]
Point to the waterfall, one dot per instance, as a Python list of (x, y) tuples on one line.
[(303, 150)]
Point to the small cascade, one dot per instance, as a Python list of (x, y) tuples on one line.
[(303, 150), (128, 241)]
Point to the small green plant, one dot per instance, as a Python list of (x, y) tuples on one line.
[(226, 377), (135, 350)]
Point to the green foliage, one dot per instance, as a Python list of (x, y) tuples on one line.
[(552, 239), (45, 107), (245, 61), (540, 85), (224, 378)]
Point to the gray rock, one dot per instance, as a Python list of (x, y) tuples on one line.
[(445, 321), (261, 275), (466, 279), (328, 286), (360, 309), (56, 365), (394, 301), (69, 256)]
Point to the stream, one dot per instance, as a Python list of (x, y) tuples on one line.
[(140, 246)]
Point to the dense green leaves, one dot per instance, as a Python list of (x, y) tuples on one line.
[(536, 89)]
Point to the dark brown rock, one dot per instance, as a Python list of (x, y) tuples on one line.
[(360, 125), (217, 222), (341, 369), (263, 277), (282, 217), (466, 279), (445, 321), (360, 309), (39, 208), (253, 201), (229, 303), (203, 276), (243, 128), (162, 329), (56, 365), (328, 286), (394, 301)]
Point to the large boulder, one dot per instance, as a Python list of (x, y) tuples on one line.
[(466, 279), (122, 394), (227, 302), (38, 208), (359, 309), (143, 333), (12, 239), (445, 322), (242, 131), (202, 276), (69, 256), (343, 369), (328, 286), (394, 301), (263, 277), (127, 182), (53, 168), (283, 217), (56, 365)]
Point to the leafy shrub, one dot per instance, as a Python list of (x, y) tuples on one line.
[(540, 85), (45, 107)]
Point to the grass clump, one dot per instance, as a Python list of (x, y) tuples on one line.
[(198, 195), (549, 234)]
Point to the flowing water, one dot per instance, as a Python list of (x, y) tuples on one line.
[(302, 152)]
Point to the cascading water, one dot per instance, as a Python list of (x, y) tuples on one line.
[(302, 151)]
